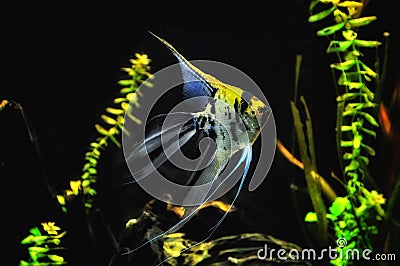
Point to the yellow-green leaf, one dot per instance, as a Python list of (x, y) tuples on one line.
[(61, 199), (364, 43), (346, 65), (124, 129), (86, 183), (146, 83), (109, 120), (312, 5), (134, 118), (97, 153), (55, 258), (85, 175), (358, 22), (311, 217), (349, 35), (125, 106), (321, 15), (101, 130), (370, 119), (92, 161), (368, 70), (114, 111), (369, 132), (368, 149), (331, 29), (120, 120), (38, 249), (127, 90), (354, 85), (120, 100), (357, 141), (349, 4), (126, 82), (346, 143), (92, 171), (116, 142), (338, 46)]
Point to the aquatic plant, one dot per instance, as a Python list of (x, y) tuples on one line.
[(114, 121), (44, 247), (356, 216)]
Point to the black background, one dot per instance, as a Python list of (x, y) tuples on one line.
[(62, 64)]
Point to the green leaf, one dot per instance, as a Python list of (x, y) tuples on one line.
[(359, 106), (339, 206), (358, 22), (368, 70), (134, 118), (352, 4), (357, 141), (101, 130), (126, 82), (369, 132), (363, 43), (312, 5), (86, 166), (35, 231), (92, 171), (127, 90), (116, 142), (346, 65), (120, 100), (109, 120), (364, 159), (114, 111), (348, 156), (351, 96), (368, 149), (354, 165), (370, 119), (331, 29), (38, 249), (92, 192), (346, 143), (31, 239), (92, 161), (348, 76), (97, 153), (321, 15), (55, 258), (338, 46), (86, 183), (85, 175), (346, 128), (353, 85), (94, 144), (125, 106), (126, 132), (311, 217)]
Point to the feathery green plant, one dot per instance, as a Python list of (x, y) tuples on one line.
[(354, 216), (114, 121)]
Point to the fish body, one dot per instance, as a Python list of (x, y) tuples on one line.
[(250, 109), (232, 117)]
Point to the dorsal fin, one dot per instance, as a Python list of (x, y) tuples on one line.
[(196, 83)]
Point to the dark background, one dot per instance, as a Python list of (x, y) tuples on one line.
[(63, 64)]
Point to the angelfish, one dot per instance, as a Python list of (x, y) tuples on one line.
[(231, 117)]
